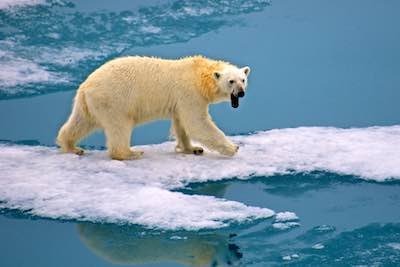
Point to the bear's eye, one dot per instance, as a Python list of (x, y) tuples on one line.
[(243, 81), (231, 81)]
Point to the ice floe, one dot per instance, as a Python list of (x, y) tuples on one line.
[(92, 187)]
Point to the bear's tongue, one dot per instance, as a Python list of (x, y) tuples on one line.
[(234, 101)]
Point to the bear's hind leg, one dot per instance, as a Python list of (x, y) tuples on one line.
[(118, 142), (183, 142), (76, 128)]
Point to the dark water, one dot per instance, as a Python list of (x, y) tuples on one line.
[(314, 63)]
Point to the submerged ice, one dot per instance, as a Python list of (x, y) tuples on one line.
[(44, 182)]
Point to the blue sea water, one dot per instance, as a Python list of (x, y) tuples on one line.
[(324, 194)]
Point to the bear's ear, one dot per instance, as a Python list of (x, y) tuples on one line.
[(217, 75), (246, 70)]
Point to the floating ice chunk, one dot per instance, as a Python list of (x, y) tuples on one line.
[(106, 192), (324, 228), (286, 216), (198, 11), (286, 258), (318, 246), (394, 245), (290, 257), (150, 29), (285, 226), (118, 202), (177, 237)]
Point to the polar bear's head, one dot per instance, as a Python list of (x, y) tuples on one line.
[(232, 82)]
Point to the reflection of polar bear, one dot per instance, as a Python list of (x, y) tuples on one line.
[(125, 245), (129, 91)]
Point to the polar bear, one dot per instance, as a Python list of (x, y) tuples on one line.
[(129, 91)]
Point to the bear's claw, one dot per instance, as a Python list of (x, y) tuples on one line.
[(137, 154), (198, 150), (79, 151), (192, 150)]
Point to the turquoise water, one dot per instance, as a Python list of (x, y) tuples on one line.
[(325, 194)]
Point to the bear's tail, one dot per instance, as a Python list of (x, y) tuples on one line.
[(78, 125)]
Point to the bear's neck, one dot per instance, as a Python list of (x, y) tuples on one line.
[(203, 74)]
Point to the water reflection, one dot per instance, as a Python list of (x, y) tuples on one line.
[(133, 245), (323, 245), (55, 43)]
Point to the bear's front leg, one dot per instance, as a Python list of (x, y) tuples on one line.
[(203, 130)]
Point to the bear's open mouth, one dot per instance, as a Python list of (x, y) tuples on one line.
[(234, 101)]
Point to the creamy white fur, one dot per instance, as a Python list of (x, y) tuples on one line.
[(129, 91)]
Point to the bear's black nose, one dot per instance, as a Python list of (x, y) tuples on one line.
[(241, 94)]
